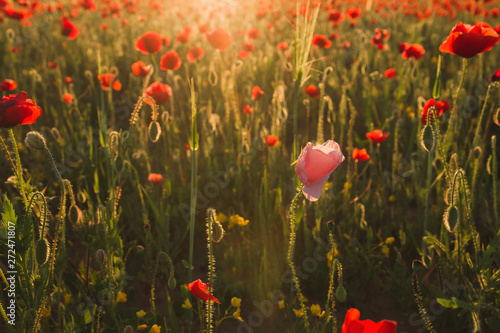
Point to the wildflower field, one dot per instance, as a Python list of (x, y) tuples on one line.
[(249, 166)]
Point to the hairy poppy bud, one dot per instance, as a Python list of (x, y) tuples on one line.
[(476, 152), (341, 294), (100, 257), (42, 251), (416, 265), (451, 218), (427, 138), (35, 140), (128, 329), (172, 283)]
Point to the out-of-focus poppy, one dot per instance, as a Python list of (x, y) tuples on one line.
[(8, 85), (360, 155), (416, 51), (248, 109), (272, 140), (257, 92), (336, 17), (149, 42), (253, 33), (219, 39), (140, 69), (440, 106), (496, 76), (283, 46), (156, 178), (390, 73), (313, 91), (321, 41), (68, 98), (160, 92), (194, 54), (107, 81), (353, 13), (377, 136), (69, 29), (170, 60)]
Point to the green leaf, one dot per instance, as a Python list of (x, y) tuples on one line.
[(450, 304)]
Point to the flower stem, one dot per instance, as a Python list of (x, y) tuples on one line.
[(290, 258), (20, 179)]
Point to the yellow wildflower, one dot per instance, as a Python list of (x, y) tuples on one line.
[(327, 186), (45, 312), (392, 198), (187, 304), (316, 311), (333, 253), (141, 327), (389, 240), (66, 298), (121, 297), (155, 329), (304, 299), (140, 314), (236, 302), (237, 314), (221, 218), (236, 219), (347, 186), (385, 250), (281, 304), (298, 313), (433, 60)]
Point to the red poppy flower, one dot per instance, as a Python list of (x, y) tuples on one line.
[(203, 28), (496, 76), (150, 42), (140, 69), (104, 26), (195, 53), (313, 91), (321, 41), (336, 17), (377, 136), (360, 155), (247, 109), (257, 92), (68, 98), (352, 324), (416, 51), (272, 140), (380, 36), (219, 39), (69, 29), (52, 64), (156, 178), (68, 80), (17, 110), (353, 13), (253, 33), (441, 106), (160, 92), (283, 46), (248, 47), (402, 47), (170, 60), (199, 289), (8, 85), (390, 73), (467, 40), (183, 38), (88, 5), (333, 36), (107, 81)]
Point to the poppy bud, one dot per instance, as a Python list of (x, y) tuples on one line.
[(172, 283), (341, 294), (128, 329), (427, 138), (330, 225), (416, 265), (42, 251), (100, 257), (476, 152), (451, 218), (75, 214), (35, 140), (154, 131)]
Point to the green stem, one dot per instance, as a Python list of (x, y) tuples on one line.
[(451, 124), (290, 258), (20, 179), (430, 157), (494, 174)]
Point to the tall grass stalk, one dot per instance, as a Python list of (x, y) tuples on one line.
[(194, 183), (451, 124)]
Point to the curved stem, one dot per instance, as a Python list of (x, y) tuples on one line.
[(290, 258), (20, 179)]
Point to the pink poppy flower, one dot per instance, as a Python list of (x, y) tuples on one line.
[(315, 165)]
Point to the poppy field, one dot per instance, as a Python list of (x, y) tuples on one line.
[(249, 166)]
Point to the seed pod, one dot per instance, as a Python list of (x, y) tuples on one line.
[(416, 265), (35, 141), (341, 294), (451, 218), (100, 257), (172, 283), (42, 251), (476, 152), (154, 131), (427, 138), (128, 329), (330, 225), (75, 214)]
